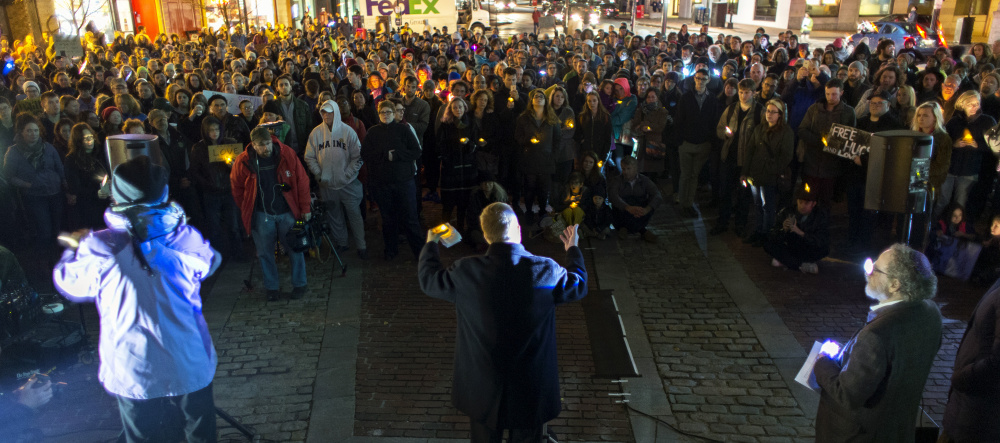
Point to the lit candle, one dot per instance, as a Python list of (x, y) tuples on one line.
[(729, 131), (510, 99), (573, 205), (463, 140), (569, 124), (600, 164), (440, 229), (534, 140), (482, 140), (807, 187), (824, 141), (967, 136)]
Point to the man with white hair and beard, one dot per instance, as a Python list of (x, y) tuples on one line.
[(871, 389)]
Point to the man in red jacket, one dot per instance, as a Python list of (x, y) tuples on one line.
[(272, 189)]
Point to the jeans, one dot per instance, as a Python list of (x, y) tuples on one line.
[(148, 420), (861, 222), (399, 212), (674, 167), (729, 184), (536, 188), (692, 159), (955, 189), (631, 223), (222, 221), (791, 250), (45, 214), (267, 230), (765, 206), (452, 199), (343, 202)]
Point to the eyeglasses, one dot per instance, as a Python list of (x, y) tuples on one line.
[(700, 79), (387, 112), (870, 268), (88, 138)]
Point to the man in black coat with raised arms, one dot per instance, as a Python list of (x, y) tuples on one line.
[(506, 376)]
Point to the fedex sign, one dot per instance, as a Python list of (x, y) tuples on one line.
[(415, 7)]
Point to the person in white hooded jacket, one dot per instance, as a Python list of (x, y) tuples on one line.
[(333, 155)]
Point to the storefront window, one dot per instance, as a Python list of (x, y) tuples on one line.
[(973, 7), (73, 16), (218, 12), (875, 7), (823, 8), (766, 10), (260, 12)]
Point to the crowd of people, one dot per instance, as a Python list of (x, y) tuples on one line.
[(578, 128)]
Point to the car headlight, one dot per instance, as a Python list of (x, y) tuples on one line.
[(593, 17), (575, 17), (559, 17)]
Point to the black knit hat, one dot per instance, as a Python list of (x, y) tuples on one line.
[(139, 182), (273, 107)]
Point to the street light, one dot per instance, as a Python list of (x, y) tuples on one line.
[(733, 5)]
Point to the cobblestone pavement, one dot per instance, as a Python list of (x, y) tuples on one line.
[(716, 332), (833, 304)]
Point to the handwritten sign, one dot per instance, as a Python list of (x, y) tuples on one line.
[(847, 142), (224, 153), (233, 100)]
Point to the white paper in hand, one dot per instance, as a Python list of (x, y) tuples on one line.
[(806, 377)]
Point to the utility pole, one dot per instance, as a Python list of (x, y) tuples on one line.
[(663, 22), (634, 3)]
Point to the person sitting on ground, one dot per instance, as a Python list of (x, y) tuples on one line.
[(489, 192), (597, 213), (987, 269), (953, 223), (634, 197), (801, 234), (573, 196)]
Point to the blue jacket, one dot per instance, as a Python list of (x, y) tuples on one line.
[(45, 180), (154, 340)]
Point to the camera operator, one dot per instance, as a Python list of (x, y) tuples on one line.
[(144, 273), (272, 191)]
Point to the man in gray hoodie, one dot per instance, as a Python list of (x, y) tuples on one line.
[(333, 155)]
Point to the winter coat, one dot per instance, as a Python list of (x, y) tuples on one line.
[(968, 160), (767, 154), (567, 146), (729, 119), (458, 157), (815, 125), (594, 135), (537, 157), (243, 179)]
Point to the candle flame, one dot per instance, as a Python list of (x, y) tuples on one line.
[(573, 205), (569, 124), (463, 140), (482, 140), (510, 99), (967, 136), (824, 141), (729, 131), (534, 140), (807, 188), (440, 229), (600, 164)]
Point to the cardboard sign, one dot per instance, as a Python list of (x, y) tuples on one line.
[(224, 153), (233, 100), (847, 142)]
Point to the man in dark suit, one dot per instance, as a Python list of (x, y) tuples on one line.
[(973, 411), (871, 389), (506, 376)]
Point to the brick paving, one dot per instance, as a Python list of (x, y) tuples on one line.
[(833, 304), (721, 383), (405, 356)]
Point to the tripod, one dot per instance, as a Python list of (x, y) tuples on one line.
[(319, 231)]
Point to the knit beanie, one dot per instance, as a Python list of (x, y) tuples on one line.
[(139, 182)]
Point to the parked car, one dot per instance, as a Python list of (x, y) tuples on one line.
[(609, 9), (925, 41)]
